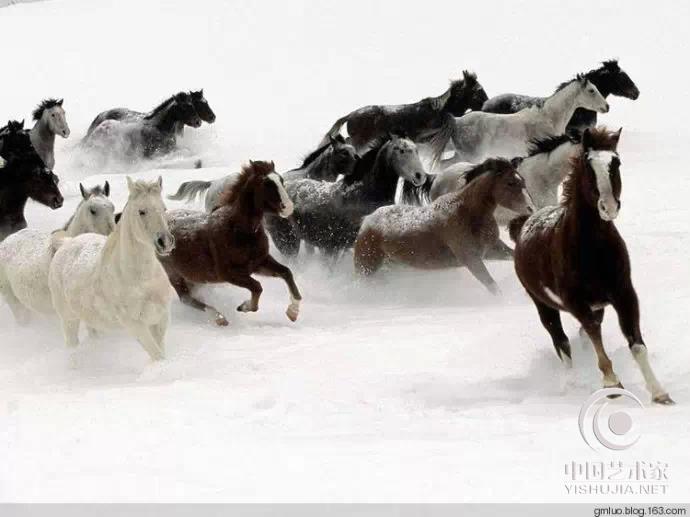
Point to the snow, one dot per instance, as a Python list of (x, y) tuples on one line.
[(415, 386)]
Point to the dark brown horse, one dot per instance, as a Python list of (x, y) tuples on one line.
[(230, 243), (456, 230), (571, 258)]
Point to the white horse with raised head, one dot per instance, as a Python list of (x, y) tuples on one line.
[(118, 282), (25, 256), (478, 135)]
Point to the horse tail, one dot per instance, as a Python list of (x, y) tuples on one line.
[(335, 129), (190, 190), (421, 195), (440, 139), (515, 226), (57, 239)]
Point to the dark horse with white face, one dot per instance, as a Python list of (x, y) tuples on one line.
[(420, 121), (609, 79), (230, 244), (571, 258), (144, 134), (23, 176)]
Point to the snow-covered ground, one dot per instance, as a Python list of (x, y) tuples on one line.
[(413, 387)]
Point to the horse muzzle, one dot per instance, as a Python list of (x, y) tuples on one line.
[(56, 202), (633, 94), (164, 244)]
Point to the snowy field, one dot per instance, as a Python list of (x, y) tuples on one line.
[(413, 387)]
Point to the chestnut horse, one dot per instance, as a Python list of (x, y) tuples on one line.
[(230, 244), (455, 230), (571, 258)]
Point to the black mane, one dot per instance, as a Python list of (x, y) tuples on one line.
[(44, 105), (311, 157), (546, 145), (366, 162), (163, 105), (486, 166), (578, 77)]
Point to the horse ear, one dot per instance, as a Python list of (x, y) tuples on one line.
[(587, 139), (251, 162), (332, 140), (117, 217), (616, 137), (159, 183), (21, 124), (515, 162), (130, 185), (273, 165), (84, 194), (201, 92), (59, 103), (106, 189)]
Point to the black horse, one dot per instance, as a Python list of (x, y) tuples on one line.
[(328, 215), (429, 118), (609, 79), (23, 176), (145, 134)]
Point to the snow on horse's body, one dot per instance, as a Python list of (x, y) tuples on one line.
[(118, 282), (25, 256)]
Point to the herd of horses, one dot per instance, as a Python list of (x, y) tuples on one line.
[(492, 162)]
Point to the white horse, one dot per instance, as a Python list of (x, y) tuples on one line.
[(25, 256), (479, 135), (118, 282), (50, 121)]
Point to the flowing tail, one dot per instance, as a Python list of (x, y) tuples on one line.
[(335, 129), (190, 190), (515, 226), (412, 195), (440, 140)]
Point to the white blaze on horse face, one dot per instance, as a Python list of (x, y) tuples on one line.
[(607, 203), (286, 205)]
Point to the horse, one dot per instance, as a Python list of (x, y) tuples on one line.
[(145, 134), (230, 244), (431, 117), (203, 109), (324, 164), (23, 176), (479, 135), (454, 231), (117, 281), (609, 79), (328, 215), (50, 121), (25, 256), (571, 258)]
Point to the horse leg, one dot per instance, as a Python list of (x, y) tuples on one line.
[(368, 255), (159, 329), (272, 267), (476, 266), (628, 310), (254, 287), (592, 326), (143, 334), (499, 251), (551, 319), (21, 314), (599, 316), (184, 292)]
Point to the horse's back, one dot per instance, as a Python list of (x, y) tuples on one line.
[(508, 103), (73, 268), (118, 114)]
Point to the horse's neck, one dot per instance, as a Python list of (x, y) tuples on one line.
[(166, 118), (382, 180), (244, 213), (559, 108), (42, 134), (12, 202), (601, 80), (477, 197), (319, 164), (440, 103), (581, 223), (550, 168), (75, 225), (127, 256)]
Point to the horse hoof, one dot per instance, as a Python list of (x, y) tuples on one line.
[(664, 399), (619, 385), (221, 321), (247, 307), (292, 314)]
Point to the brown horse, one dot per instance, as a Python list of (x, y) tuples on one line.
[(455, 230), (571, 258), (230, 244)]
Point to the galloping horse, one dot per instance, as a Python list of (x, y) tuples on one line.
[(23, 176), (50, 121), (571, 258), (454, 231), (144, 134), (230, 244), (430, 118), (609, 79)]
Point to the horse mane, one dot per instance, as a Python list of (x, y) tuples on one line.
[(487, 165), (311, 157), (602, 140), (248, 173), (155, 111), (579, 77), (546, 145), (610, 65), (366, 162), (45, 104)]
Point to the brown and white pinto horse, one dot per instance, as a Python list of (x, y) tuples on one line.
[(571, 258), (230, 244)]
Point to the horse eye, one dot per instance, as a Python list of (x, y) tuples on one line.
[(142, 213), (93, 211)]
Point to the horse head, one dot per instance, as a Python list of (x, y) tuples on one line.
[(51, 113), (202, 106), (187, 113), (145, 215)]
